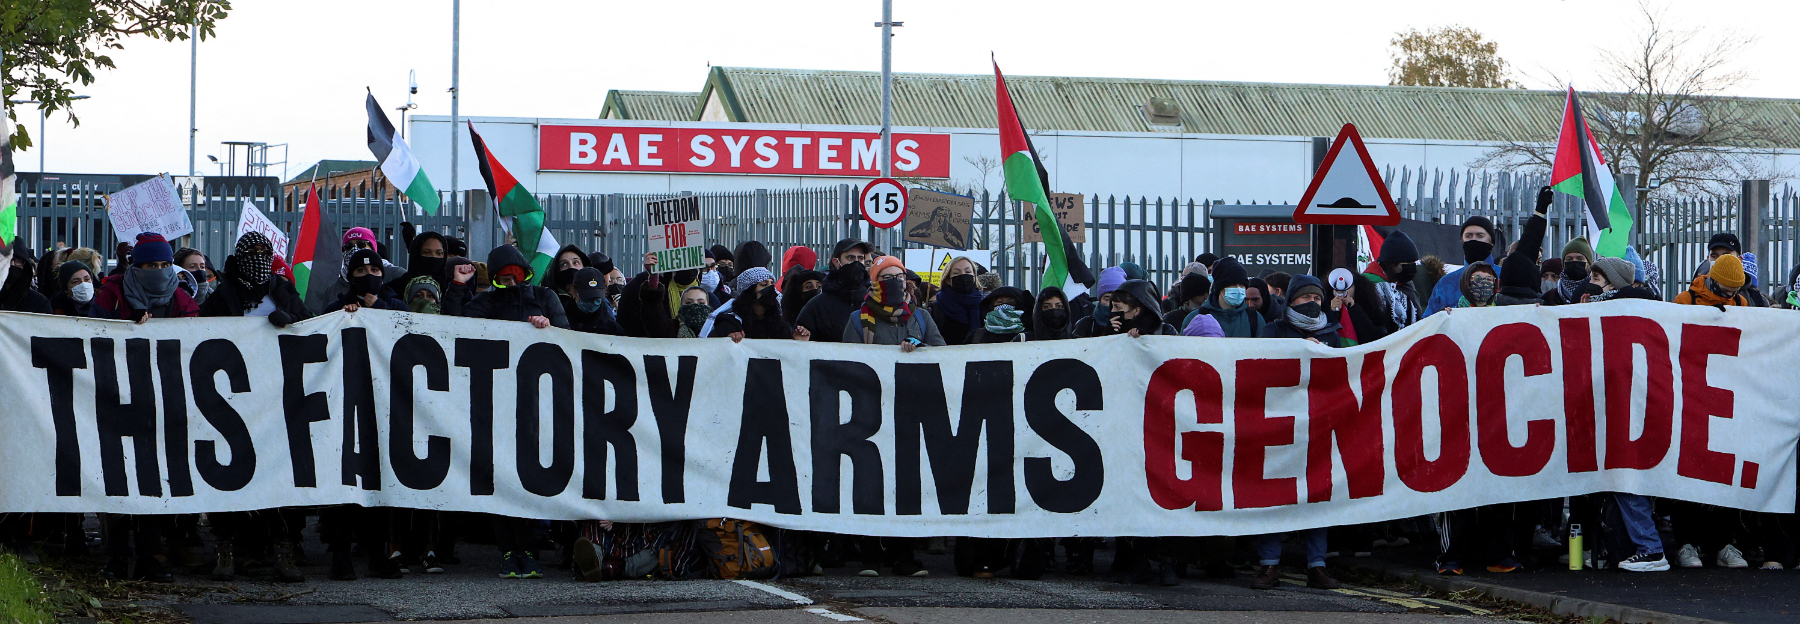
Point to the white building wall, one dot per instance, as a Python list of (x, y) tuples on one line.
[(1186, 166)]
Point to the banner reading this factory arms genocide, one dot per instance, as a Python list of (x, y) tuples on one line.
[(1113, 436)]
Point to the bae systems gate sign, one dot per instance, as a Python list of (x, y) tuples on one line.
[(733, 151)]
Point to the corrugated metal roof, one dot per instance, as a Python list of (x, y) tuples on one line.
[(1210, 107), (328, 168), (652, 105)]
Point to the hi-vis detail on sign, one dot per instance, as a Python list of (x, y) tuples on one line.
[(1347, 191), (746, 150), (1159, 435)]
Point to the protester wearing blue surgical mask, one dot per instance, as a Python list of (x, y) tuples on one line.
[(1228, 304)]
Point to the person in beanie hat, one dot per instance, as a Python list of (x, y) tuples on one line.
[(1228, 302), (1615, 278), (1131, 310), (75, 279), (1305, 317), (147, 289), (1549, 273), (367, 288), (1398, 263), (1719, 287), (250, 287), (799, 257), (887, 317), (1193, 291), (1578, 246), (423, 295)]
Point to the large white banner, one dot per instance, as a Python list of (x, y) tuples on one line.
[(1113, 436)]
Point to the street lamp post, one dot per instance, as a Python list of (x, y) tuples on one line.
[(42, 142)]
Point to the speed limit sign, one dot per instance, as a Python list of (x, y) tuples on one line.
[(884, 203)]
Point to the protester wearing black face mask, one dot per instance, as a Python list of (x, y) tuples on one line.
[(957, 306), (250, 288), (1577, 258), (17, 294), (1393, 284), (367, 289), (426, 257), (584, 303), (799, 288), (846, 284), (1051, 321), (756, 312), (568, 260)]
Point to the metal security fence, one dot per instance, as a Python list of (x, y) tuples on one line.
[(1161, 234)]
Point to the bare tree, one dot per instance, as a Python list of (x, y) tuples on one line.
[(1662, 112)]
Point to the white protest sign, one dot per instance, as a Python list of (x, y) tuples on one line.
[(254, 221), (151, 206), (673, 229)]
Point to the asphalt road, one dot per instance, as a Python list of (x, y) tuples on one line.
[(471, 591)]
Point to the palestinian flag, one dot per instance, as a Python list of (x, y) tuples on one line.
[(315, 252), (512, 200), (1580, 170), (397, 160), (1027, 181), (9, 199)]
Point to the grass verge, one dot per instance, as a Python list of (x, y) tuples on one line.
[(22, 599)]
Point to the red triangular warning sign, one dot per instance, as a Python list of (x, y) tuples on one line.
[(1348, 191)]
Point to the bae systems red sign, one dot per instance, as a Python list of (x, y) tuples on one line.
[(732, 151)]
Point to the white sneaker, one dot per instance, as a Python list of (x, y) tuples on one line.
[(1688, 556), (1645, 562), (870, 572), (1731, 557), (1398, 542)]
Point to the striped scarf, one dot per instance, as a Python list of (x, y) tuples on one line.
[(874, 309)]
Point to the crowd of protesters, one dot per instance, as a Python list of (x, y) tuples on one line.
[(858, 295)]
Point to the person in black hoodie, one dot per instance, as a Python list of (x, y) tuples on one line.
[(845, 288), (797, 289), (367, 290), (1002, 316), (249, 286), (1050, 316), (513, 298), (568, 260), (1186, 299), (1134, 313), (426, 255), (584, 303), (1305, 317), (75, 281), (755, 313), (16, 294)]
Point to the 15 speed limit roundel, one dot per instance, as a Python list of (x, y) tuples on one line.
[(884, 203)]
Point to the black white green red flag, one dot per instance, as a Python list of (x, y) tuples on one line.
[(512, 199), (397, 160), (1580, 170), (1028, 181)]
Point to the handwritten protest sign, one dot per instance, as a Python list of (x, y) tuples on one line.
[(151, 206), (254, 221), (673, 228), (939, 219), (1071, 214)]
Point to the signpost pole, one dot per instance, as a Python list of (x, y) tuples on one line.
[(887, 88), (1322, 235), (455, 113)]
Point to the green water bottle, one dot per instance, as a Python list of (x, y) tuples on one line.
[(1574, 547)]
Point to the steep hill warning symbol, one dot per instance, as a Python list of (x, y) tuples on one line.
[(1347, 191)]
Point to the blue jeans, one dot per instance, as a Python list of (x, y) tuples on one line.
[(1639, 525), (1268, 548)]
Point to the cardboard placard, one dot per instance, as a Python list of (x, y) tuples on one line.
[(673, 228), (939, 219), (1071, 214), (253, 221), (151, 206)]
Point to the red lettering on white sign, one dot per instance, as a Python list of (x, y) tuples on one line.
[(738, 151)]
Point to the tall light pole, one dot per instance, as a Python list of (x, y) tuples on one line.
[(887, 25), (42, 142), (455, 117), (193, 90)]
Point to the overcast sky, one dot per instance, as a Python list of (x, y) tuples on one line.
[(294, 72)]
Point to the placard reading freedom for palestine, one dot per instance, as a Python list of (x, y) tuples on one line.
[(673, 227)]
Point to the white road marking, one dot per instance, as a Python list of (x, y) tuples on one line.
[(834, 616), (796, 598)]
